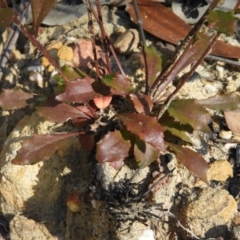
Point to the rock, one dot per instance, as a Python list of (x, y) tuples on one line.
[(127, 42), (219, 170), (28, 229), (39, 191), (211, 213), (225, 134), (65, 53)]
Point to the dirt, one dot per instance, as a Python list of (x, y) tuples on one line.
[(33, 198)]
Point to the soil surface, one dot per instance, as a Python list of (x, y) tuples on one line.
[(33, 198)]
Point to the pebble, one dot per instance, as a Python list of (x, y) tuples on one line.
[(127, 42), (147, 234), (225, 134), (219, 170), (65, 53), (220, 70)]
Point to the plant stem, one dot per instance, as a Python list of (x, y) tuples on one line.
[(39, 46), (173, 67), (103, 34), (188, 75), (91, 30)]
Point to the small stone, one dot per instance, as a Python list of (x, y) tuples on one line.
[(220, 171), (54, 45), (65, 53), (50, 68), (225, 134), (127, 42), (45, 62), (220, 70)]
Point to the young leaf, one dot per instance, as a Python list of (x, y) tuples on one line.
[(222, 22), (80, 90), (193, 161), (142, 103), (73, 73), (6, 17), (233, 120), (188, 111), (113, 147), (154, 63), (40, 147), (11, 99), (60, 112), (146, 128), (102, 102), (40, 9), (144, 152), (225, 102), (118, 82)]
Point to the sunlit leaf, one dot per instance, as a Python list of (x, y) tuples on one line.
[(40, 9), (40, 147), (193, 161), (144, 153), (118, 82), (142, 103), (113, 147), (154, 63), (6, 17), (187, 111), (225, 102), (11, 99), (222, 22), (233, 120), (145, 127), (73, 73), (60, 112), (80, 90), (177, 129)]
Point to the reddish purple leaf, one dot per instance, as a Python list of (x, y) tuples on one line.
[(40, 9), (118, 82), (193, 161), (87, 141), (11, 99), (117, 164), (144, 153), (188, 111), (6, 17), (40, 147), (154, 63), (145, 127), (113, 147), (142, 103), (80, 90), (225, 102), (60, 112)]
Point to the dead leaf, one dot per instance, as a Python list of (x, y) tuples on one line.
[(161, 22), (233, 120)]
